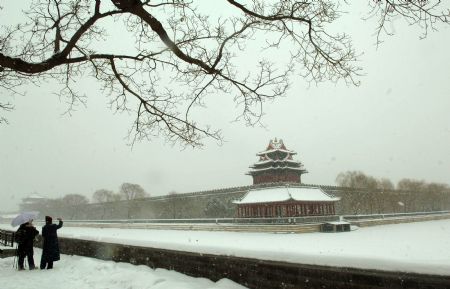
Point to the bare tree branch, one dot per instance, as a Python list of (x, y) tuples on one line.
[(182, 55)]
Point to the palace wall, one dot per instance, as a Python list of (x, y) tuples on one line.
[(218, 204)]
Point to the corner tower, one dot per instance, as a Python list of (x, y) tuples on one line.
[(276, 164)]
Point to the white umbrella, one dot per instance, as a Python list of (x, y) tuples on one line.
[(23, 218)]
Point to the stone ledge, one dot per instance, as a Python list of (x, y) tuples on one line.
[(4, 253), (253, 273), (368, 223)]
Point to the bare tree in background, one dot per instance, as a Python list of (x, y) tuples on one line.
[(383, 199), (103, 196), (361, 198), (421, 196), (75, 200), (72, 203), (412, 193), (436, 193), (132, 191), (356, 179), (199, 55)]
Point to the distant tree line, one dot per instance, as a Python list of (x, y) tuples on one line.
[(70, 204), (127, 191), (364, 194), (359, 193)]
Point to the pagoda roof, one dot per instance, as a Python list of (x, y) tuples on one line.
[(276, 161), (274, 146), (34, 196), (301, 168), (276, 150), (286, 193)]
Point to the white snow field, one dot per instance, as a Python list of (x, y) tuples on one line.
[(74, 272), (422, 247)]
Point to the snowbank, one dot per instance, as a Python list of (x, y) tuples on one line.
[(415, 247)]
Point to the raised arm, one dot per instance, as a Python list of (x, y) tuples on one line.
[(60, 223)]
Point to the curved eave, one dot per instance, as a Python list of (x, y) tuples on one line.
[(287, 201), (275, 167), (276, 150), (300, 170), (277, 161), (286, 194)]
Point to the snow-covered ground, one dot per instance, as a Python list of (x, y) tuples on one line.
[(422, 247), (74, 272)]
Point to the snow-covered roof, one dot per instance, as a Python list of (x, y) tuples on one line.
[(286, 193), (276, 150), (276, 161), (35, 196), (276, 145), (301, 168)]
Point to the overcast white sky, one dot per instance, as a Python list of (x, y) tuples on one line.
[(395, 125)]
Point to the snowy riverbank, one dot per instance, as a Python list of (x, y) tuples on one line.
[(74, 272), (415, 247)]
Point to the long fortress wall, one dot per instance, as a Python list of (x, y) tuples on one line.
[(219, 204)]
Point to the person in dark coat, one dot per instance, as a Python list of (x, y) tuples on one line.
[(25, 237), (50, 247)]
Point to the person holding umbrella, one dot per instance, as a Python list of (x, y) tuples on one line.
[(50, 247), (25, 237)]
